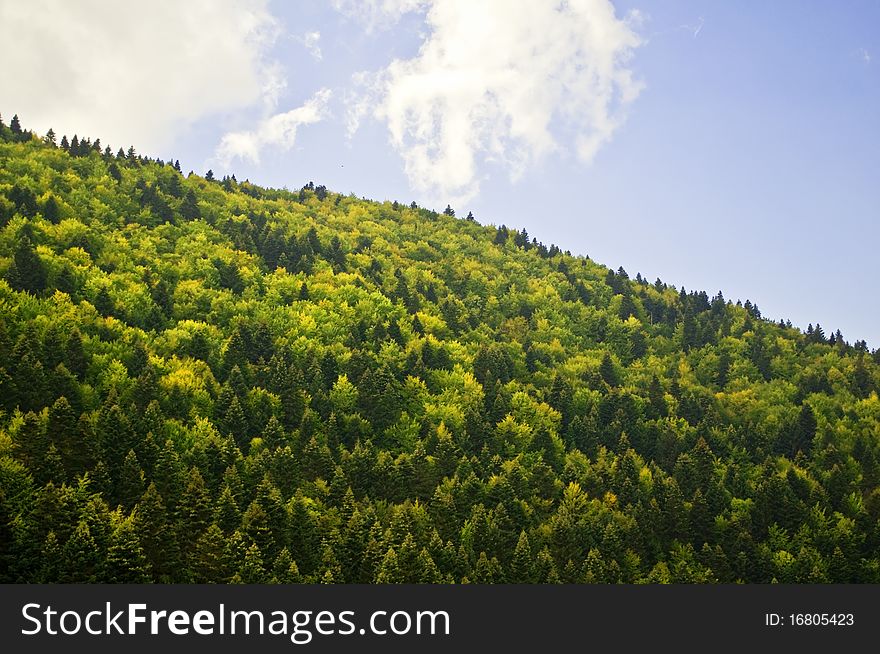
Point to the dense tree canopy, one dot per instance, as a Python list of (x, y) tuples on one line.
[(202, 380)]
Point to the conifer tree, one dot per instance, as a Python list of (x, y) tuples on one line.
[(80, 557), (285, 570), (522, 562), (209, 560), (189, 207), (27, 272), (131, 481), (389, 571), (126, 562), (608, 371), (251, 570)]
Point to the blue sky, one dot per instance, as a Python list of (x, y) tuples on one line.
[(717, 145)]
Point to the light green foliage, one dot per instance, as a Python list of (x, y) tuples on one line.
[(263, 385)]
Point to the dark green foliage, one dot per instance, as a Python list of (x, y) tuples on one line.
[(126, 562), (608, 371), (240, 384), (51, 210), (27, 272), (189, 208)]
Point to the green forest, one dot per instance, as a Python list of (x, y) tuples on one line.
[(203, 380)]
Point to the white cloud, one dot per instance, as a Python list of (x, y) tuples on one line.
[(278, 130), (378, 14), (131, 72), (360, 100), (273, 85), (499, 81), (310, 42), (696, 28)]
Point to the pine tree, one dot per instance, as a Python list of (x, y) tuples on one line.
[(126, 562), (227, 514), (723, 369), (195, 505), (209, 559), (561, 397), (545, 568), (285, 570), (389, 571), (113, 171), (689, 330), (51, 468), (804, 431), (657, 398), (487, 571), (235, 423), (114, 433), (62, 430), (131, 481), (189, 207), (169, 476), (150, 520), (80, 557), (608, 371), (379, 397), (428, 573), (51, 559), (27, 272), (251, 570), (29, 441), (520, 571), (255, 527), (331, 571), (104, 303)]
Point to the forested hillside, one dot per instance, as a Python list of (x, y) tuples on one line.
[(203, 380)]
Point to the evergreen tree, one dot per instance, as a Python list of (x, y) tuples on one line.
[(80, 557), (545, 568), (251, 570), (285, 570), (389, 571), (131, 481), (195, 504), (189, 208), (51, 210), (126, 562), (210, 562), (804, 431), (151, 522), (608, 371), (27, 272), (521, 565)]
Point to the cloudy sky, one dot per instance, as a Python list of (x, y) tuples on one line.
[(717, 145)]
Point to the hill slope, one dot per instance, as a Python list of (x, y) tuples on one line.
[(210, 381)]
